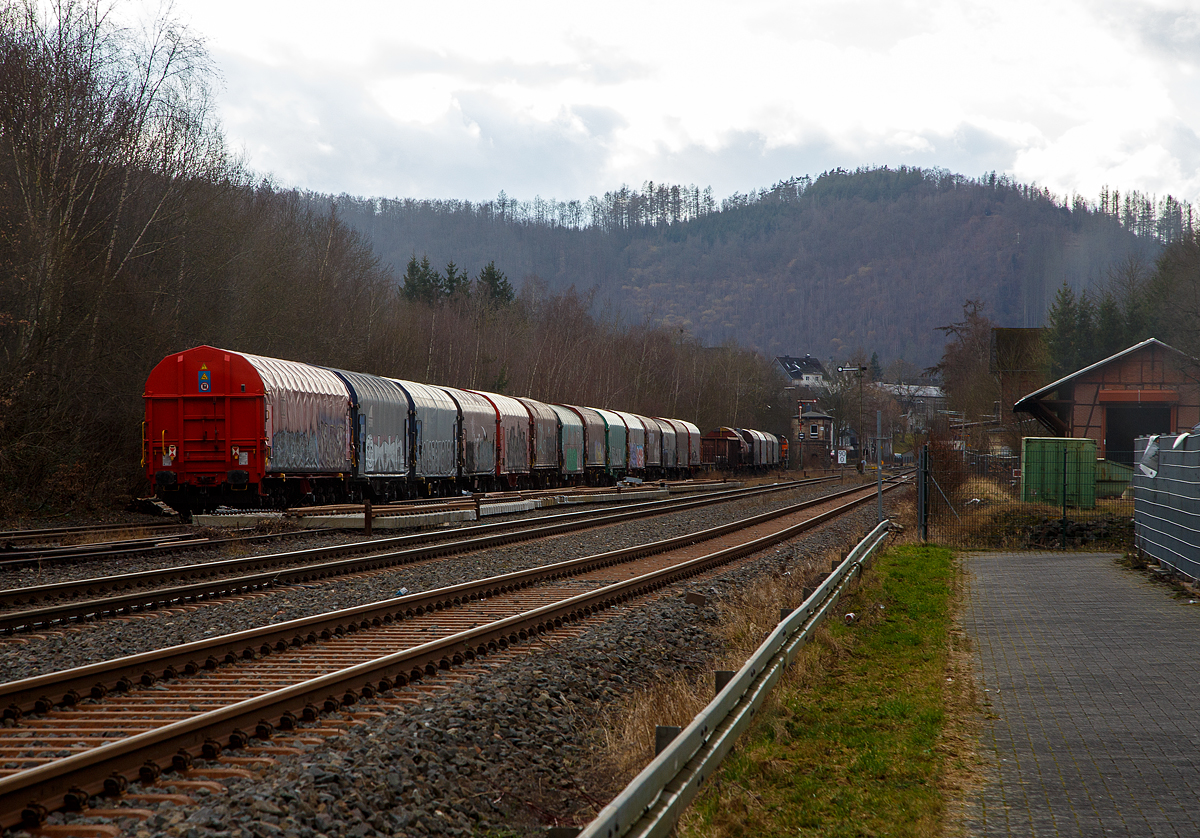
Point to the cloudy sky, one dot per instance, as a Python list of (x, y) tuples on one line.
[(566, 100)]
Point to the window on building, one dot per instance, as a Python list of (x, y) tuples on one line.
[(812, 431)]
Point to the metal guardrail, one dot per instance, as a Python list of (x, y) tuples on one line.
[(653, 802)]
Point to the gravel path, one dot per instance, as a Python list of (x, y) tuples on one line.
[(502, 754)]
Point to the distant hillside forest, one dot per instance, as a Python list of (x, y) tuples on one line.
[(871, 260), (127, 232)]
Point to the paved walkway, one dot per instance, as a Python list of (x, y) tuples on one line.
[(1093, 675)]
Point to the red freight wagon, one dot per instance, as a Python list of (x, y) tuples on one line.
[(724, 448), (228, 427)]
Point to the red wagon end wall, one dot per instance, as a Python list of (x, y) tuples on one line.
[(204, 421)]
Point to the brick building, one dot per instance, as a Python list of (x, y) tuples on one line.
[(815, 438), (1148, 388)]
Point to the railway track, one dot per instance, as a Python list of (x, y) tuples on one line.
[(58, 536), (70, 544), (126, 593), (95, 728), (128, 548)]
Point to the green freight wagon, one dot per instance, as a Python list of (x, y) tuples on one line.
[(1053, 465)]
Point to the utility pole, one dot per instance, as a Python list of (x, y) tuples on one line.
[(879, 462)]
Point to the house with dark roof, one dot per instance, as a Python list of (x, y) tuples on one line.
[(802, 372), (1149, 388), (919, 403)]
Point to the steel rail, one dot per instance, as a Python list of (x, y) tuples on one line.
[(23, 795), (71, 550), (41, 692), (125, 581), (115, 550), (88, 529), (652, 803), (143, 596)]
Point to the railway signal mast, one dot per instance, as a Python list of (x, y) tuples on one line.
[(862, 454)]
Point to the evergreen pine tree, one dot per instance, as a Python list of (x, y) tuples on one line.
[(422, 283), (455, 281), (494, 285), (1062, 321), (1110, 327), (1087, 350)]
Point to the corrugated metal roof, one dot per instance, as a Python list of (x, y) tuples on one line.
[(912, 391), (308, 415), (1050, 388)]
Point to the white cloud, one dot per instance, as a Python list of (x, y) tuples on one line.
[(462, 99)]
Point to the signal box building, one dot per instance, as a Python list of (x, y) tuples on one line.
[(1149, 388)]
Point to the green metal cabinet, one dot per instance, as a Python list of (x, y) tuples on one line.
[(1051, 466)]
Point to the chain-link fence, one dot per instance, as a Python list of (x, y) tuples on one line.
[(1054, 494)]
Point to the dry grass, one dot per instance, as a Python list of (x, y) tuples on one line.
[(855, 741), (625, 734), (959, 743), (105, 537), (805, 736), (983, 489), (1010, 524)]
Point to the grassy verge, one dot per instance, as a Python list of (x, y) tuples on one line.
[(858, 740)]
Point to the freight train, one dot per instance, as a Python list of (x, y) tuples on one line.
[(231, 428)]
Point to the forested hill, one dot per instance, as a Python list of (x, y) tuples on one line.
[(872, 259)]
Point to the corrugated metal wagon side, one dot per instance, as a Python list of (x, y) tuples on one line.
[(670, 450), (477, 440), (307, 418), (595, 441), (635, 442), (544, 442), (433, 437), (693, 450), (571, 447), (615, 443), (379, 416), (513, 439), (682, 447), (653, 445)]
